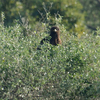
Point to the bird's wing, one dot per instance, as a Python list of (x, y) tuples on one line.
[(46, 39)]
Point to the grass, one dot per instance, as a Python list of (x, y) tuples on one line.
[(66, 72)]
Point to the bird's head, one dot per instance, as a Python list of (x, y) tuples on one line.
[(54, 31)]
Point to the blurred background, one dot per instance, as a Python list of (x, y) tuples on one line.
[(76, 14)]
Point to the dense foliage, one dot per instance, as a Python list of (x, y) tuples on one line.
[(72, 11), (91, 8), (66, 72), (35, 10)]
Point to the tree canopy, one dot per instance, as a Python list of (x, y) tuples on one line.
[(33, 10), (91, 8)]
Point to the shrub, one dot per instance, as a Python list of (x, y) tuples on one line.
[(70, 71)]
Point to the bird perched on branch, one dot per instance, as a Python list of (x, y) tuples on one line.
[(53, 38)]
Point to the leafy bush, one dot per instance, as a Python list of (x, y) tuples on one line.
[(69, 71)]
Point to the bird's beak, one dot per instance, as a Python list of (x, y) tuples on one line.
[(55, 30)]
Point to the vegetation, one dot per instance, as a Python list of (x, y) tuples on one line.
[(70, 71), (91, 9), (65, 72), (37, 11)]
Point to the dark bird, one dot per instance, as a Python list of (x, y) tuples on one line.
[(53, 38)]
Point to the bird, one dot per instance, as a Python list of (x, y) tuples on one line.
[(53, 38)]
